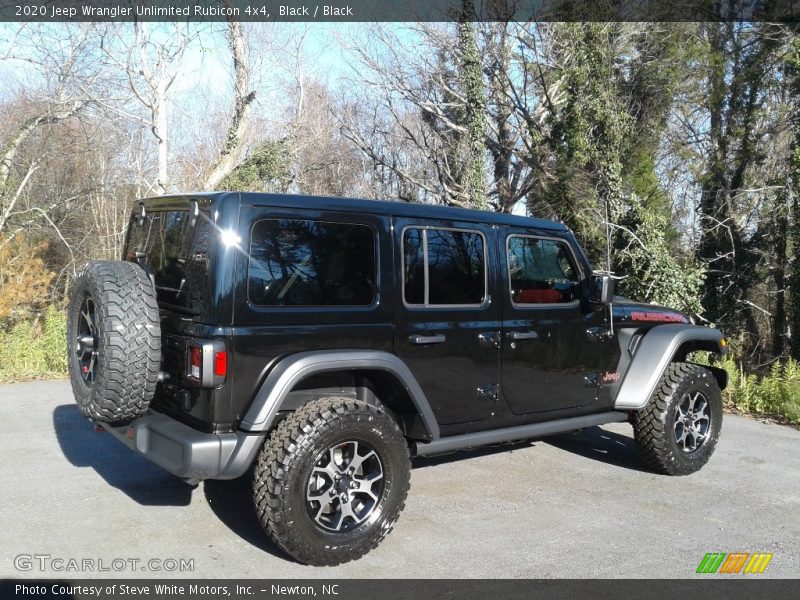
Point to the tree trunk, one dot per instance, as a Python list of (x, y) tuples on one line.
[(160, 126), (779, 277), (234, 141)]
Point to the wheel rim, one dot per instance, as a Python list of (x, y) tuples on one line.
[(86, 341), (692, 421), (345, 486)]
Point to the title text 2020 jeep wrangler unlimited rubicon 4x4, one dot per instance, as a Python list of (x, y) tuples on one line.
[(325, 341)]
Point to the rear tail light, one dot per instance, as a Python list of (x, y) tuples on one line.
[(220, 364), (207, 363)]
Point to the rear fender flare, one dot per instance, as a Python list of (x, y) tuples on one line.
[(287, 373)]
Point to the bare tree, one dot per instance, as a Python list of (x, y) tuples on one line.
[(459, 121), (9, 198), (60, 61), (151, 60), (406, 110)]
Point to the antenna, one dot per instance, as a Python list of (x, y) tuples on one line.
[(608, 269)]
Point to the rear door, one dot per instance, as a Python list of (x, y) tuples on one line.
[(447, 326), (308, 280)]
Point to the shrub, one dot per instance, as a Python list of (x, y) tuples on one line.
[(775, 393), (24, 279), (35, 348)]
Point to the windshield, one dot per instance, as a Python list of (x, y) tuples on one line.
[(175, 252)]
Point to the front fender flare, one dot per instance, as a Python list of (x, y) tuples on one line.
[(292, 369), (654, 353)]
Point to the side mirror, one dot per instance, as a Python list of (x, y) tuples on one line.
[(601, 288)]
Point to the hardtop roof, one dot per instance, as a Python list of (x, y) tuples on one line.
[(381, 207)]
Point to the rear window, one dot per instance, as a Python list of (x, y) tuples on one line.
[(311, 263), (451, 273), (174, 252)]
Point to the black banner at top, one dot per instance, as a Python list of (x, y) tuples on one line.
[(787, 11)]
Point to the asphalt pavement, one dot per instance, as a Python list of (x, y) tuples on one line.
[(575, 505)]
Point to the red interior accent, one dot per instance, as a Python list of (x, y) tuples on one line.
[(538, 296), (221, 364)]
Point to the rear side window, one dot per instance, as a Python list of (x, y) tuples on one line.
[(443, 267), (311, 263), (541, 271)]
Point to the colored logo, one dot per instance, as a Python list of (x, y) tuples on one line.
[(735, 562), (659, 317)]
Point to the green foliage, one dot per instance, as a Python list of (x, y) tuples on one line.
[(775, 393), (589, 135), (462, 102), (742, 83), (474, 110), (35, 348), (605, 138), (266, 169), (652, 271)]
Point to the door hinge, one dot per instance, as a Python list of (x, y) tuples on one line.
[(598, 334), (489, 339), (592, 380), (489, 391)]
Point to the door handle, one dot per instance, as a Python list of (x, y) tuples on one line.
[(427, 339), (523, 335)]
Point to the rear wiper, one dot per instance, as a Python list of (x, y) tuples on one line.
[(178, 290)]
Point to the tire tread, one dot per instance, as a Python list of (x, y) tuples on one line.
[(293, 436), (130, 341), (650, 423)]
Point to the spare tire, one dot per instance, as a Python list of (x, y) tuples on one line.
[(113, 341)]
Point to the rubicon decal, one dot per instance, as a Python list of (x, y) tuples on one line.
[(735, 562), (660, 317)]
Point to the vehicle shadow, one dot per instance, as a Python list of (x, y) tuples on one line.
[(593, 442), (141, 480), (232, 503), (601, 445), (148, 484)]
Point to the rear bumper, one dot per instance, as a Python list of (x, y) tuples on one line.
[(188, 453)]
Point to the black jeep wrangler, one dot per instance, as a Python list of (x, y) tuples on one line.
[(326, 341)]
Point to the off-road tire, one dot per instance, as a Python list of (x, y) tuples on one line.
[(284, 467), (654, 426), (127, 340)]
